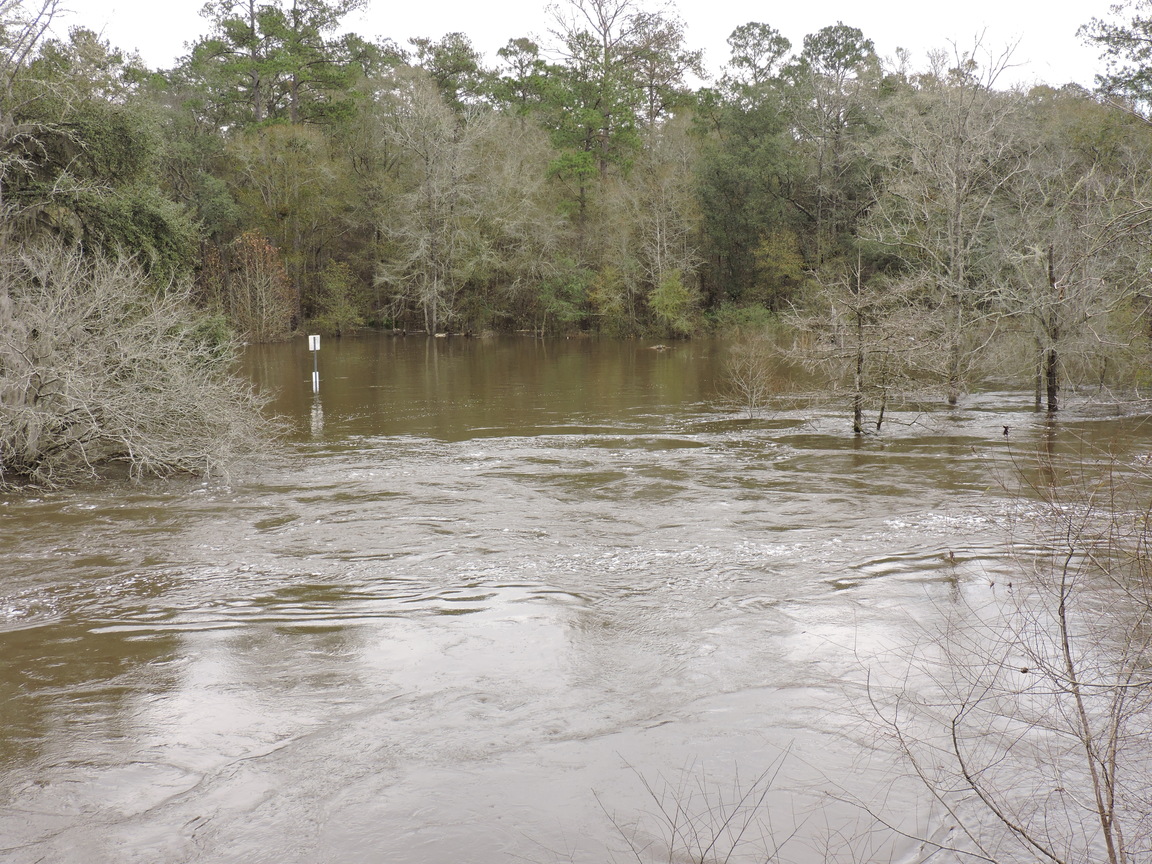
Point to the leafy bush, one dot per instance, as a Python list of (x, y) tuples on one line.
[(564, 296), (340, 305), (674, 303), (729, 317)]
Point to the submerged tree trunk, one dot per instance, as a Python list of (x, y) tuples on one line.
[(1051, 358), (954, 375), (1039, 381), (1052, 379), (858, 388)]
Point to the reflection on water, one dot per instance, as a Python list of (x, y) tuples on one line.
[(489, 591), (316, 417)]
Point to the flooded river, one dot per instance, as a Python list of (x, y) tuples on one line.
[(498, 601)]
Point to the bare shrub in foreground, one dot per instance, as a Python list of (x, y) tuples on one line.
[(1035, 734), (97, 368), (698, 820)]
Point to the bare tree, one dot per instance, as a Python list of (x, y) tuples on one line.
[(470, 212), (248, 284), (260, 296), (699, 819), (748, 372), (952, 143), (1072, 242), (658, 209), (865, 334), (430, 234)]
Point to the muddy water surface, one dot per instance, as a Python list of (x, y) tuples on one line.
[(499, 600)]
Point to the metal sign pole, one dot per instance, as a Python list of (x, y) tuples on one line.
[(314, 347)]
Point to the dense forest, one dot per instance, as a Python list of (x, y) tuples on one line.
[(904, 225)]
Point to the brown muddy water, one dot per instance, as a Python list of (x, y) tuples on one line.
[(499, 600)]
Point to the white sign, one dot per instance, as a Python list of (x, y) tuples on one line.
[(313, 343)]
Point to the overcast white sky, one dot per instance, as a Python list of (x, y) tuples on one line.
[(1048, 49)]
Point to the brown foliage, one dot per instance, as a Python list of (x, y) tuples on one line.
[(247, 283)]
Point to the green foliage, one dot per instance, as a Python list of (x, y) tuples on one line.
[(340, 305), (830, 97), (743, 181), (658, 62), (88, 164), (608, 297), (456, 67), (564, 295), (1126, 49), (834, 52), (622, 67), (216, 207), (524, 87), (756, 53), (139, 220), (116, 144), (593, 190), (272, 61), (781, 275), (85, 142), (728, 317), (575, 170), (86, 67), (134, 217), (674, 303), (211, 337)]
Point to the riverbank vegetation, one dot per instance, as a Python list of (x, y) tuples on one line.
[(596, 181), (914, 227)]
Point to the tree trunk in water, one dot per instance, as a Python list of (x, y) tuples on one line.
[(1051, 368), (858, 395), (1039, 374), (1052, 379), (954, 358)]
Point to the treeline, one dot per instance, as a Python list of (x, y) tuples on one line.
[(588, 184)]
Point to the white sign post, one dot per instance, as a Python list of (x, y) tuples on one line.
[(314, 347)]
